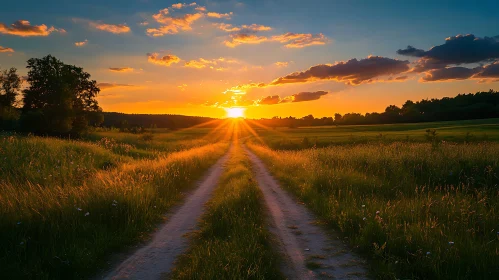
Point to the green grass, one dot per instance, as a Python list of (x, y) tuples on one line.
[(233, 242), (396, 202), (307, 137), (66, 206)]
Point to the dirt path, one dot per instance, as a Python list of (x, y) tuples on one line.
[(155, 260), (303, 243)]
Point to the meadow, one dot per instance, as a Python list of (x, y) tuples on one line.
[(67, 205), (426, 208)]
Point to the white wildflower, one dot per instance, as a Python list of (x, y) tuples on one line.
[(86, 214), (363, 206), (364, 218), (377, 212), (451, 243), (79, 209), (428, 253)]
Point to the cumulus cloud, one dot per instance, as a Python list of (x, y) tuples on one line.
[(300, 40), (172, 25), (107, 86), (269, 100), (201, 9), (449, 73), (352, 71), (166, 60), (81, 44), (219, 15), (183, 5), (23, 28), (490, 71), (457, 50), (6, 50), (121, 69)]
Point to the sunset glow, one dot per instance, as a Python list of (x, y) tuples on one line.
[(277, 59), (236, 112)]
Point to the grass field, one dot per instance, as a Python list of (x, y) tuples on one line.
[(67, 205), (307, 137), (419, 201), (416, 210)]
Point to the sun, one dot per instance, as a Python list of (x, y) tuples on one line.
[(235, 112)]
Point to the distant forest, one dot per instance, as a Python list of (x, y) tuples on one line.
[(481, 105)]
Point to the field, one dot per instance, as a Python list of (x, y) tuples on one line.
[(414, 201)]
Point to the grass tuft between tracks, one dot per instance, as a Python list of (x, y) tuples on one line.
[(233, 241)]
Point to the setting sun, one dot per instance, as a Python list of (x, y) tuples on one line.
[(235, 112)]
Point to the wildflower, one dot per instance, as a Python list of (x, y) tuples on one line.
[(428, 253), (79, 209), (18, 223), (396, 262), (364, 218), (86, 214), (377, 212), (363, 206), (451, 243)]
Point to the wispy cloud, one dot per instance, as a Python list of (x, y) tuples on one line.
[(172, 25), (244, 38), (281, 64), (300, 40), (165, 60), (108, 86), (112, 28), (121, 69), (219, 15), (6, 50), (23, 28)]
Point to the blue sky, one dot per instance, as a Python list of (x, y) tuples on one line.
[(339, 30)]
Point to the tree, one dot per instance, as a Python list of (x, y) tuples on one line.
[(10, 85), (60, 98)]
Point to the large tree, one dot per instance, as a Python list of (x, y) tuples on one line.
[(60, 98)]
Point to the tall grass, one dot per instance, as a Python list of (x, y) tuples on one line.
[(66, 228), (233, 242), (417, 210)]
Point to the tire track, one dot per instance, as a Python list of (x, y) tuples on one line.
[(303, 243), (156, 259)]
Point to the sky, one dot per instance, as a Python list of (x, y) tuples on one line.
[(271, 58)]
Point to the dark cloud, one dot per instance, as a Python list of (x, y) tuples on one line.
[(450, 73), (298, 97), (411, 51), (269, 100), (460, 49), (104, 86), (351, 72), (490, 71)]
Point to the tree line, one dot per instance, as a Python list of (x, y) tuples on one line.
[(480, 105)]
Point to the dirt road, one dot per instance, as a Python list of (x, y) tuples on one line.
[(304, 244), (156, 259)]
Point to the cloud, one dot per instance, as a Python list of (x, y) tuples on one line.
[(457, 50), (121, 69), (219, 15), (211, 63), (282, 64), (5, 50), (243, 28), (183, 5), (111, 28), (269, 100), (304, 96), (108, 86), (182, 87), (144, 23), (166, 60), (411, 51), (352, 72), (490, 71), (449, 73), (244, 38), (23, 28), (201, 9), (82, 43), (300, 40), (172, 25)]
